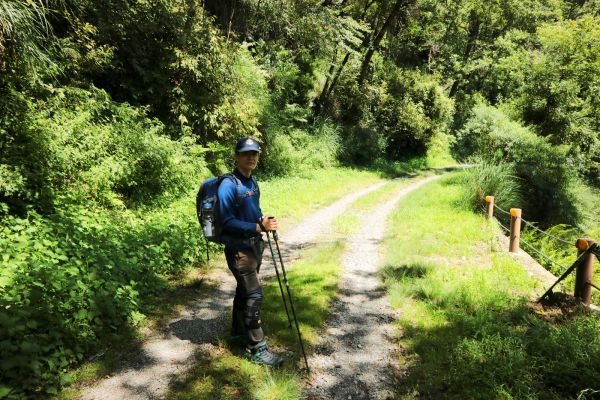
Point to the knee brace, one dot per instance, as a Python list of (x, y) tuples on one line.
[(252, 313)]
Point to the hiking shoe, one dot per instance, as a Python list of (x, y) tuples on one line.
[(261, 355)]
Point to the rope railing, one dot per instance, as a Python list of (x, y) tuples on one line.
[(501, 210), (529, 224), (588, 249), (503, 227), (543, 255)]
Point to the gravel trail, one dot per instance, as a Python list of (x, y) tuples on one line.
[(166, 355), (355, 356)]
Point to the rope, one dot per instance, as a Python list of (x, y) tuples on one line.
[(592, 285), (498, 208), (546, 233), (502, 226), (543, 255)]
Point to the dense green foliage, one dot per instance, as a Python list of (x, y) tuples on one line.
[(541, 170), (559, 97), (79, 274), (82, 143)]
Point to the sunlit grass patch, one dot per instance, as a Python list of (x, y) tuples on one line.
[(295, 197), (379, 196), (352, 219), (278, 386), (313, 282), (346, 224), (465, 324), (221, 375)]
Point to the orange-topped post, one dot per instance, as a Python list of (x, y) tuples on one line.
[(490, 206), (515, 230), (584, 272)]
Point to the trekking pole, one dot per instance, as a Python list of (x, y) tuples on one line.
[(279, 280), (287, 285)]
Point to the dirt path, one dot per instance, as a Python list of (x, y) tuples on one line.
[(166, 355), (355, 357)]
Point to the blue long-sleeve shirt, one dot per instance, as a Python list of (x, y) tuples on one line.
[(239, 222)]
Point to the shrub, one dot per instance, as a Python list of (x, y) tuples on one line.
[(71, 278), (362, 145), (546, 182), (83, 143), (438, 153), (401, 110), (294, 146), (498, 180), (412, 111)]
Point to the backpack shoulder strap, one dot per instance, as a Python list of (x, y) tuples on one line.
[(255, 183), (238, 186)]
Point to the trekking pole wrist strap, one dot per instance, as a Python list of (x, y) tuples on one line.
[(262, 226)]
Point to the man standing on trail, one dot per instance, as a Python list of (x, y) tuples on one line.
[(243, 222)]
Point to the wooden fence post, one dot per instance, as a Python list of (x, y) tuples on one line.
[(584, 272), (515, 230), (490, 206)]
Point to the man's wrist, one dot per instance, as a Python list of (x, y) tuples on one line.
[(261, 227)]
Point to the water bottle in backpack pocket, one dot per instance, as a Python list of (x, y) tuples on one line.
[(207, 209), (208, 216)]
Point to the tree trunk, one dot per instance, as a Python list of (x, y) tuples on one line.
[(230, 20), (321, 97), (474, 30), (337, 74), (330, 84), (373, 47)]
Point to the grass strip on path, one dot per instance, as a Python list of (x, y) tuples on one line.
[(466, 329), (293, 198), (225, 373)]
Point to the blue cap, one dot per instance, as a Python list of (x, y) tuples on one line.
[(247, 144)]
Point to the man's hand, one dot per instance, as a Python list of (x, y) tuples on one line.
[(269, 223)]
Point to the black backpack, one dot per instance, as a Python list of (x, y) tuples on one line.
[(207, 205)]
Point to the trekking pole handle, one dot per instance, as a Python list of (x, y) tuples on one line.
[(275, 235)]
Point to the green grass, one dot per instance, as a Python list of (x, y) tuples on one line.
[(379, 196), (466, 328), (221, 375), (293, 198)]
